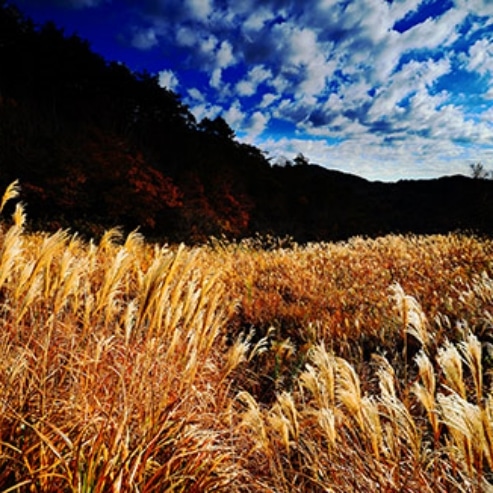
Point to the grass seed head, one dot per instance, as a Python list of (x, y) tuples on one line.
[(10, 193)]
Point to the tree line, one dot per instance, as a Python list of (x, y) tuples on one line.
[(96, 145)]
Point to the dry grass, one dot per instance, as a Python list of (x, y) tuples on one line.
[(359, 366)]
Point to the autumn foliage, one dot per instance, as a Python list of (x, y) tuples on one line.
[(246, 363), (96, 146), (251, 366)]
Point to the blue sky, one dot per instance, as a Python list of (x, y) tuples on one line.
[(383, 89)]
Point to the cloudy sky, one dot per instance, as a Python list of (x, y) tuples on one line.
[(385, 89)]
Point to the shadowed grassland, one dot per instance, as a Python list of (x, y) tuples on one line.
[(356, 366)]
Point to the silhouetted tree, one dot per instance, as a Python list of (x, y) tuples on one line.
[(217, 127), (479, 172), (301, 160), (91, 141)]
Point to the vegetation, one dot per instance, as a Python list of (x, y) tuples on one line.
[(97, 146), (251, 366), (246, 365), (479, 172)]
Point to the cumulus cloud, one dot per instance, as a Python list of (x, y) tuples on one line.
[(186, 36), (168, 79), (256, 124), (417, 158), (489, 96), (268, 99), (481, 57), (413, 77), (401, 9), (224, 55), (199, 9), (482, 8), (257, 20), (215, 80), (144, 39), (205, 110), (207, 47), (434, 32), (234, 115), (366, 83), (195, 95), (256, 75)]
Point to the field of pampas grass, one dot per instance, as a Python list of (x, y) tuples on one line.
[(236, 366)]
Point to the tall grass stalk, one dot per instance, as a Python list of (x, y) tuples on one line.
[(11, 192), (134, 367)]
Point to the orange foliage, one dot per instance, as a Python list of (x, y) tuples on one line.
[(342, 290), (214, 212), (102, 175), (232, 207)]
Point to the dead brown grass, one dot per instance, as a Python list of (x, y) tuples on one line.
[(359, 366)]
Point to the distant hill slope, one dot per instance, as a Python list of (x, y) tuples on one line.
[(95, 145), (330, 204)]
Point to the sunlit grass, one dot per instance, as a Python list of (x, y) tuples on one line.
[(356, 366)]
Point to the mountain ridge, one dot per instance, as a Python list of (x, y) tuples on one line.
[(95, 145)]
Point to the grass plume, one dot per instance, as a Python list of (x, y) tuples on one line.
[(128, 366)]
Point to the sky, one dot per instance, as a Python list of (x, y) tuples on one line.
[(384, 89)]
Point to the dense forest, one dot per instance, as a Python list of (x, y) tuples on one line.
[(95, 145)]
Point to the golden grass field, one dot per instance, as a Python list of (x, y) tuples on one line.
[(349, 367)]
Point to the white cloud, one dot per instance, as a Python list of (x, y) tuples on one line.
[(399, 9), (316, 75), (186, 36), (489, 95), (414, 76), (257, 19), (369, 158), (356, 71), (302, 45), (204, 110), (477, 7), (256, 124), (371, 19), (168, 79), (216, 78), (296, 111), (256, 75), (242, 8), (434, 33), (207, 46), (144, 39), (372, 48), (234, 116), (259, 74), (268, 99), (301, 60), (195, 94), (281, 84), (212, 56), (245, 88), (481, 57), (199, 9), (224, 56)]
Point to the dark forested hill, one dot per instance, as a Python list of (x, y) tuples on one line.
[(95, 145)]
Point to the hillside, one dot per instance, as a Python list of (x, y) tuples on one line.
[(95, 145)]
